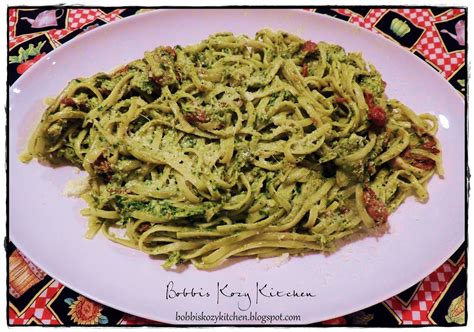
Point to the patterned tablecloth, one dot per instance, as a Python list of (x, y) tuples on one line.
[(436, 35)]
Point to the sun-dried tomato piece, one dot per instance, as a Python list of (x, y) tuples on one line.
[(197, 116), (143, 227), (375, 207), (429, 143), (304, 70), (170, 51), (309, 46), (68, 101), (377, 116), (417, 160), (369, 99), (103, 168), (426, 164), (340, 100)]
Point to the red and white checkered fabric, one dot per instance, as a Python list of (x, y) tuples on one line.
[(416, 312), (11, 22), (112, 16), (79, 17), (38, 308), (368, 22), (432, 48)]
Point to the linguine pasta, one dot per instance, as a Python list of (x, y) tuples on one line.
[(239, 147)]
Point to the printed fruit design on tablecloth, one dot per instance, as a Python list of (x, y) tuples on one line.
[(456, 311), (85, 312), (26, 58), (399, 27)]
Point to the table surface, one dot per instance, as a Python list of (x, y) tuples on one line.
[(436, 36)]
